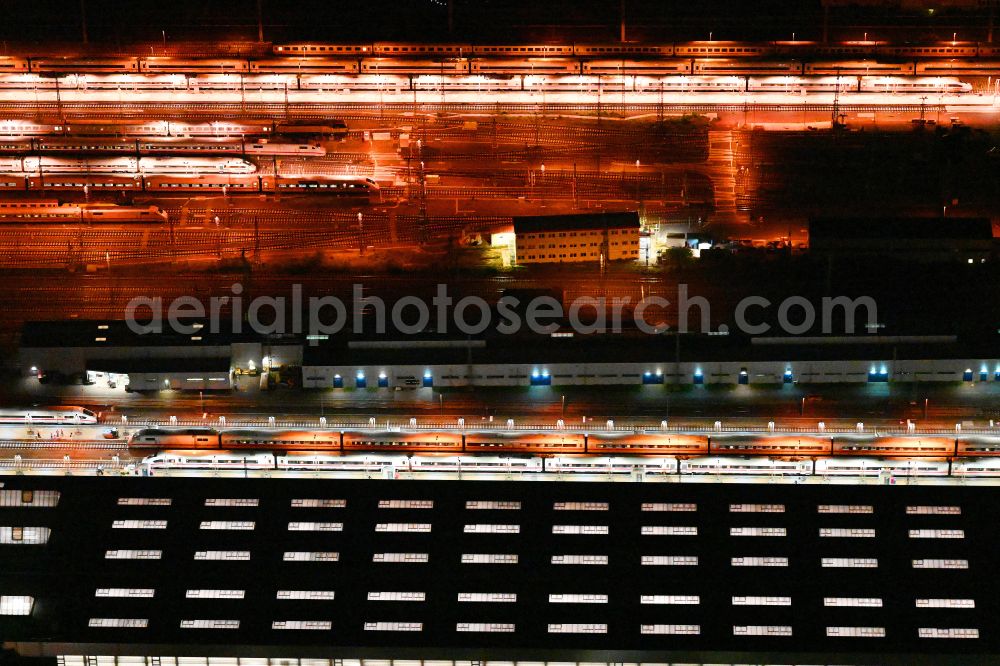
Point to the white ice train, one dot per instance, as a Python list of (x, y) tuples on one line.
[(610, 465), (185, 165), (745, 466), (48, 416), (875, 467), (209, 460)]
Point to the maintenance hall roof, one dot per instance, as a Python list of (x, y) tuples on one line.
[(537, 223)]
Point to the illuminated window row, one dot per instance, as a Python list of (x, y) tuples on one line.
[(849, 563), (578, 598), (302, 625), (305, 595), (27, 536), (580, 559), (139, 525), (946, 603), (668, 530), (853, 602), (232, 501), (493, 505), (133, 554), (215, 594), (315, 527), (394, 626), (669, 560), (937, 534), (16, 605), (224, 555), (756, 508), (758, 561), (397, 596), (210, 624), (940, 564), (845, 508), (847, 532), (921, 510), (671, 629), (488, 597), (319, 503), (580, 529), (485, 627), (406, 504), (29, 498), (489, 558), (939, 632), (401, 557), (234, 525), (757, 531), (669, 600), (855, 632), (125, 592), (669, 506), (762, 601), (145, 501), (762, 630), (492, 529), (578, 628), (118, 623), (310, 556), (580, 506), (403, 527)]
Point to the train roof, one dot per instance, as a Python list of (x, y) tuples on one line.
[(722, 613)]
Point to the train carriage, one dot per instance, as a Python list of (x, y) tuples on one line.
[(314, 49), (404, 66), (555, 442), (284, 440), (774, 445), (203, 182), (387, 440), (491, 66), (912, 446), (310, 65), (639, 67), (721, 49), (723, 465), (730, 67), (12, 65), (48, 416), (158, 65), (170, 438), (656, 443), (958, 68), (77, 65), (858, 68), (238, 460)]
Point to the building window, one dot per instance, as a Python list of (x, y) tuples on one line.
[(310, 556), (315, 527), (233, 501), (762, 630), (215, 594), (394, 626), (319, 503), (756, 508), (139, 525), (845, 508), (35, 498), (933, 510), (937, 534), (669, 600), (397, 596), (125, 592), (210, 624), (16, 605), (403, 527), (938, 632), (856, 632), (669, 506), (492, 529), (406, 504), (580, 529), (670, 560), (28, 536), (759, 561), (757, 531), (940, 564), (668, 530), (671, 629), (118, 623), (488, 597), (580, 559), (762, 601), (489, 558), (578, 628), (847, 532), (946, 603), (144, 501), (406, 558), (302, 625), (849, 562), (234, 525), (485, 627), (305, 595), (852, 602), (133, 554), (580, 506), (226, 555)]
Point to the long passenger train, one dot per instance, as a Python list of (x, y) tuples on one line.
[(394, 464), (36, 212), (229, 183), (560, 443), (48, 416)]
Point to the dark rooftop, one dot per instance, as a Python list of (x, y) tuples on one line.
[(537, 223), (265, 549), (114, 333), (889, 229)]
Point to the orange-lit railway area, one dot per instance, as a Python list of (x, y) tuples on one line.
[(562, 443)]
